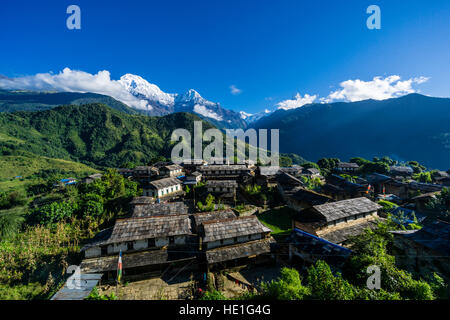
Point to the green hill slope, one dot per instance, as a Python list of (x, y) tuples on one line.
[(93, 134)]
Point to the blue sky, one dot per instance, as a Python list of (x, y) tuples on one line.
[(270, 50)]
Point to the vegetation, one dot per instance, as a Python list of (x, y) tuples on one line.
[(95, 295), (209, 204), (278, 220), (34, 256), (441, 204), (311, 183), (327, 165)]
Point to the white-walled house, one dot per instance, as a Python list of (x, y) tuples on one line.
[(142, 233), (163, 188)]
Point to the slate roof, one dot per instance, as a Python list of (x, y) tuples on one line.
[(193, 162), (144, 168), (164, 183), (377, 178), (239, 250), (230, 228), (131, 260), (347, 165), (311, 171), (336, 183), (341, 235), (132, 229), (434, 236), (288, 181), (268, 171), (199, 218), (292, 170), (142, 201), (173, 167), (346, 208), (310, 196), (160, 209), (401, 169), (224, 167), (221, 183)]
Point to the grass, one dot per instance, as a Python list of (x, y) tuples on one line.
[(279, 220), (26, 166)]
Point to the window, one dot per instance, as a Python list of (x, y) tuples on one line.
[(130, 245), (235, 239), (151, 243), (171, 240), (221, 241), (104, 250)]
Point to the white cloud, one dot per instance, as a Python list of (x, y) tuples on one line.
[(200, 109), (76, 81), (378, 89), (297, 102), (234, 90)]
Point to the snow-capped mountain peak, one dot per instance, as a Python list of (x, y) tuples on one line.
[(157, 102), (141, 88), (249, 118)]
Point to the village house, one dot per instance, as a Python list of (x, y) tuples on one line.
[(223, 189), (92, 178), (426, 250), (125, 172), (146, 244), (294, 171), (406, 190), (441, 177), (401, 171), (306, 249), (301, 198), (422, 200), (340, 188), (236, 241), (164, 189), (144, 174), (224, 172), (171, 171), (377, 181), (141, 201), (312, 173), (160, 209), (287, 184), (337, 221), (346, 167), (193, 178), (192, 165), (202, 217), (266, 176)]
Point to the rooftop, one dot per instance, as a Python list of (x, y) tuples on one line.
[(142, 201), (401, 169), (346, 208), (310, 196), (160, 209), (268, 171), (221, 183), (199, 218), (164, 183), (347, 165), (239, 251), (132, 229), (224, 167), (173, 167), (235, 227)]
